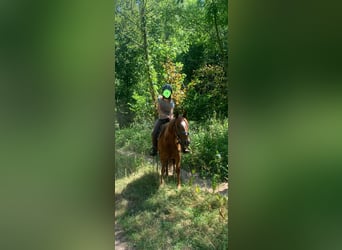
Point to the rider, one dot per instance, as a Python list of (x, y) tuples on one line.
[(165, 113)]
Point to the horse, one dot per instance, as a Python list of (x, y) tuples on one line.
[(173, 139)]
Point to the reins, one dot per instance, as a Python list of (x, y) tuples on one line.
[(179, 140)]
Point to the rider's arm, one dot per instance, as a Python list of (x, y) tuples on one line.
[(158, 105), (172, 108)]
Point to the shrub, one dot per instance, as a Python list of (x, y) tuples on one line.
[(209, 146), (136, 137), (207, 93)]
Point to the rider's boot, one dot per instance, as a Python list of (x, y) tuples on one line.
[(154, 147), (186, 151)]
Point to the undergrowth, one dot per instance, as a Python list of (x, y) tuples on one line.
[(136, 137), (209, 146)]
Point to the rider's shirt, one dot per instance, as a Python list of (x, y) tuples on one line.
[(165, 108)]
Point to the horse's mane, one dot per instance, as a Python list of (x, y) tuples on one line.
[(165, 126), (169, 126)]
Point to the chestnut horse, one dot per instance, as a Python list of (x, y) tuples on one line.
[(173, 139)]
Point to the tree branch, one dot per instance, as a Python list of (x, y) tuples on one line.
[(141, 46), (128, 18)]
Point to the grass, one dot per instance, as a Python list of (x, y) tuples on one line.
[(155, 217), (126, 165), (136, 138)]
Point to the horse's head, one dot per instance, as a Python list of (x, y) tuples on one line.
[(182, 131)]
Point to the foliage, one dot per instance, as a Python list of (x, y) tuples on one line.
[(149, 35), (207, 94), (194, 59), (135, 138), (173, 76), (165, 218), (141, 106), (209, 147), (216, 15)]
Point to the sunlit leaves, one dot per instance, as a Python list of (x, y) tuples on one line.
[(174, 77), (207, 93), (176, 32)]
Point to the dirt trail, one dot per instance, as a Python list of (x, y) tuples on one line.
[(205, 185), (120, 240)]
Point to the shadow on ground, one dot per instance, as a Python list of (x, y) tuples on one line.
[(138, 191)]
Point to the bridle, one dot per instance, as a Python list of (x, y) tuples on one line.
[(179, 135)]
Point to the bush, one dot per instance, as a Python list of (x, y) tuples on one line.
[(136, 137), (207, 93), (209, 146)]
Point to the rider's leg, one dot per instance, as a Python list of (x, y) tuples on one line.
[(154, 135), (186, 147)]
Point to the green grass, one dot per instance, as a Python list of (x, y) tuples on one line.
[(126, 165), (136, 138), (155, 217)]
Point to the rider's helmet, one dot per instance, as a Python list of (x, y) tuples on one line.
[(167, 90)]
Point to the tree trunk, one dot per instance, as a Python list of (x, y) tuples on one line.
[(219, 41), (146, 53)]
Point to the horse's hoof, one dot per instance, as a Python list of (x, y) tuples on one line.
[(178, 186)]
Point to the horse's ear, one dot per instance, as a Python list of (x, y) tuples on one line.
[(185, 114), (176, 114)]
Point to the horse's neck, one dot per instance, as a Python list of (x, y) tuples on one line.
[(171, 128)]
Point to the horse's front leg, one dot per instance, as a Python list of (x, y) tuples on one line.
[(178, 174), (173, 167), (163, 167), (174, 170)]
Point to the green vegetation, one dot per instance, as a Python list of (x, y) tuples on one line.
[(207, 94), (209, 146), (185, 44), (135, 138), (156, 217)]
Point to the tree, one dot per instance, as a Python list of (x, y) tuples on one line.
[(165, 41), (207, 94)]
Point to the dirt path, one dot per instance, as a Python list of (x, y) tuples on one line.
[(205, 185), (120, 240)]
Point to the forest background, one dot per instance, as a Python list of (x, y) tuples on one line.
[(185, 44)]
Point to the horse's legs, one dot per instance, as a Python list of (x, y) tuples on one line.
[(162, 172), (167, 169), (178, 174), (173, 167)]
